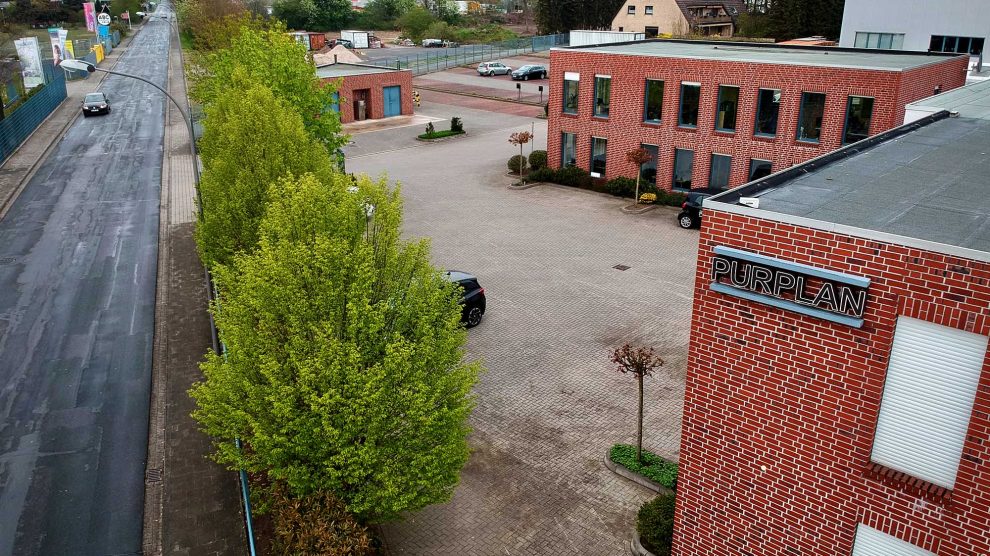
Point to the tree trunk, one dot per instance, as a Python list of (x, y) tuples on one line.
[(639, 423), (636, 201)]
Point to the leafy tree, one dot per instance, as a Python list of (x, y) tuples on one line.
[(788, 19), (330, 15), (272, 57), (388, 10), (640, 362), (561, 16), (343, 369), (205, 20), (251, 139), (639, 157), (415, 22), (295, 13), (521, 138)]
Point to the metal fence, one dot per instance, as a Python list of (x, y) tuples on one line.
[(471, 54), (21, 122)]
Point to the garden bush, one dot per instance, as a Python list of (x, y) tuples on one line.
[(574, 177), (537, 159), (655, 524), (671, 198), (517, 163), (543, 174), (652, 466), (315, 525), (456, 125), (621, 187)]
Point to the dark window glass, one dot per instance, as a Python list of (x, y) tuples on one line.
[(976, 46), (568, 149), (767, 108), (571, 96), (961, 45), (728, 105), (759, 169), (859, 112), (718, 177), (690, 96), (654, 101), (648, 10), (683, 166), (648, 171), (810, 120), (598, 148), (936, 43), (603, 94)]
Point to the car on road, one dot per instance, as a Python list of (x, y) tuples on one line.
[(472, 297), (493, 68), (530, 72), (690, 215), (95, 103)]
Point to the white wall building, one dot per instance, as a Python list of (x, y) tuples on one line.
[(943, 25)]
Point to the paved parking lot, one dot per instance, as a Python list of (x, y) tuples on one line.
[(549, 403)]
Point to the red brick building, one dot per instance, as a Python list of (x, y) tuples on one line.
[(837, 395), (716, 114), (369, 92)]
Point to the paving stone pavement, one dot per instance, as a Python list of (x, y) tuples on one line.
[(549, 403)]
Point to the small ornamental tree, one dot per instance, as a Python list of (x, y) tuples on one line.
[(521, 138), (639, 157), (640, 362)]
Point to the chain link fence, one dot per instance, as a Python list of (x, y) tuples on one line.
[(471, 54)]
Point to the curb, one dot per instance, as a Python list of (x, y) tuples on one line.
[(638, 209), (525, 185), (476, 95), (633, 476), (636, 547), (439, 139)]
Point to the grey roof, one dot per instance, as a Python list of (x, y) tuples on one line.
[(344, 70), (929, 181), (973, 101), (767, 53)]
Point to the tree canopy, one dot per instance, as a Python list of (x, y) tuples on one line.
[(561, 16), (345, 363)]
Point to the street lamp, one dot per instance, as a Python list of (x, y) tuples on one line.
[(79, 65)]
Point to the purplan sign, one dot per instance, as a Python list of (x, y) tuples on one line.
[(801, 288)]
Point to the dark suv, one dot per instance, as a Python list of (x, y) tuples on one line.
[(690, 215), (472, 297)]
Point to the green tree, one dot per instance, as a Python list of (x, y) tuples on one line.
[(272, 57), (295, 13), (331, 15), (388, 10), (788, 19), (344, 368), (415, 22), (251, 140)]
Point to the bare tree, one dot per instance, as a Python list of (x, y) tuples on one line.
[(639, 157), (641, 362)]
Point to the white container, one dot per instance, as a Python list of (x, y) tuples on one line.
[(358, 38)]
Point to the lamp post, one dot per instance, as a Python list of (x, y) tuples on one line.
[(79, 65)]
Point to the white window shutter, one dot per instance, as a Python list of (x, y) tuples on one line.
[(870, 542), (932, 377)]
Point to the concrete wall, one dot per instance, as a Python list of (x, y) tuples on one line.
[(625, 130), (780, 409), (917, 19)]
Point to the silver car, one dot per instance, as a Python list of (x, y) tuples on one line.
[(493, 68)]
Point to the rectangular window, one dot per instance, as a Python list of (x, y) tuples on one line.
[(728, 105), (767, 109), (654, 101), (603, 95), (598, 152), (648, 171), (884, 41), (683, 167), (870, 542), (961, 45), (759, 168), (690, 97), (648, 10), (932, 375), (631, 10), (810, 119), (718, 176), (568, 149), (571, 83), (859, 112)]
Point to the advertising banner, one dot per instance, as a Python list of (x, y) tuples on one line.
[(29, 52), (62, 35), (89, 9), (58, 48), (69, 49)]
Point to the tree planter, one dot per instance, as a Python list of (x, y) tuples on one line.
[(636, 548), (439, 136), (622, 471), (638, 209), (520, 186)]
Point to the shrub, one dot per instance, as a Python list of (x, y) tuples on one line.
[(652, 466), (456, 124), (621, 187), (517, 163), (671, 198), (574, 177), (430, 130), (537, 159), (543, 174), (655, 524), (315, 525)]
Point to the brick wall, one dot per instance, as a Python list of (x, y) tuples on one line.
[(780, 409), (375, 83), (625, 129)]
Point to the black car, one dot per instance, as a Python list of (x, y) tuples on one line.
[(530, 72), (472, 297), (690, 215), (95, 103)]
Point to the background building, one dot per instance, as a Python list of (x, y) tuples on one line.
[(960, 26), (679, 17), (838, 388), (369, 92), (717, 114)]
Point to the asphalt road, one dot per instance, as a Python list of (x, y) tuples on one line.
[(78, 260)]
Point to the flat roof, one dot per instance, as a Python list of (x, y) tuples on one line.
[(768, 53), (924, 184), (341, 69)]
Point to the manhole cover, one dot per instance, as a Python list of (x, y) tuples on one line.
[(621, 267), (154, 475), (7, 260)]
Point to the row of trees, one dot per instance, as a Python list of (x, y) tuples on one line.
[(561, 16), (344, 372)]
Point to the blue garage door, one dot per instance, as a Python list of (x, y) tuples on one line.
[(393, 101)]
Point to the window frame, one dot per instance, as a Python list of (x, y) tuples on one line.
[(563, 142), (749, 174), (800, 128), (728, 174), (680, 107), (845, 124), (759, 105), (655, 151), (595, 112), (591, 162), (646, 100), (673, 179), (647, 10), (576, 83), (718, 110), (631, 9)]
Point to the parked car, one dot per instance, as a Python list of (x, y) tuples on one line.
[(530, 72), (472, 299), (432, 43), (493, 68), (690, 215), (95, 103), (346, 42)]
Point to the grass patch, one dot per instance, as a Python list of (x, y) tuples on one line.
[(653, 466), (440, 134)]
